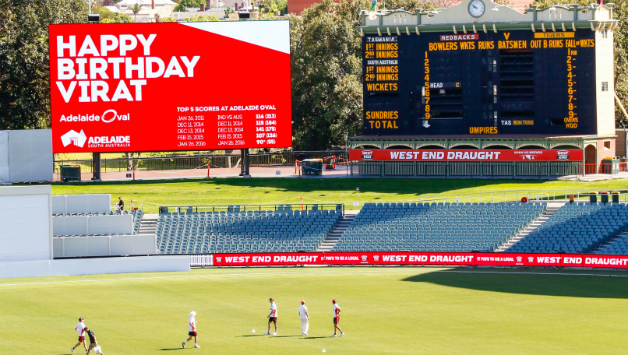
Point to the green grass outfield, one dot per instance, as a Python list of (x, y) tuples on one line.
[(227, 191), (384, 311)]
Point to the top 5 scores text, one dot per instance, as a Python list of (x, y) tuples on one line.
[(230, 129)]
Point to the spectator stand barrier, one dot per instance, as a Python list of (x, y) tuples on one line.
[(411, 259), (253, 208), (200, 161), (607, 168), (517, 195)]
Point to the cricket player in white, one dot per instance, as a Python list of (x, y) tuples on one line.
[(192, 331), (80, 328), (272, 316), (305, 318), (336, 318)]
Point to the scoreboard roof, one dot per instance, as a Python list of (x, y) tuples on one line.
[(494, 17)]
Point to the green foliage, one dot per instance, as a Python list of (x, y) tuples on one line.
[(24, 60), (183, 4), (167, 19), (228, 11), (209, 18), (326, 74), (107, 16)]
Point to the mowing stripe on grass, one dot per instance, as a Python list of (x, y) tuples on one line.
[(314, 273)]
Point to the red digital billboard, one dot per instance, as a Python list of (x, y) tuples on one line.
[(465, 155), (170, 86)]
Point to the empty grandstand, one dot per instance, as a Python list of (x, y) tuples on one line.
[(456, 227), (237, 230), (576, 228)]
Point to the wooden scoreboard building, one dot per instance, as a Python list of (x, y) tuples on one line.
[(480, 89)]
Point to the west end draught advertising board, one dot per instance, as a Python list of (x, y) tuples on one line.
[(170, 86), (509, 82)]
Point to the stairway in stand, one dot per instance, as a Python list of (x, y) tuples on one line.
[(549, 211), (336, 233), (148, 225)]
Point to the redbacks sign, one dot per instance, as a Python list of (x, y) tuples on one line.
[(465, 155), (170, 86)]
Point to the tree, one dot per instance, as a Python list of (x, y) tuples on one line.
[(620, 34), (135, 9), (184, 4), (107, 16), (24, 60)]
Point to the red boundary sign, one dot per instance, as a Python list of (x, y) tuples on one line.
[(465, 155), (420, 258)]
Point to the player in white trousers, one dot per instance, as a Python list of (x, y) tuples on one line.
[(305, 318)]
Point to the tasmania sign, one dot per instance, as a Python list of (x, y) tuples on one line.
[(170, 86), (465, 155)]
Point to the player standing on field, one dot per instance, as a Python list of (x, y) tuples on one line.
[(337, 319), (305, 318), (272, 316), (192, 330), (80, 328)]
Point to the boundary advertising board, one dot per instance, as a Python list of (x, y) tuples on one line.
[(422, 259), (170, 86), (465, 155)]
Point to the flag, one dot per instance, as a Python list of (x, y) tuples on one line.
[(373, 5)]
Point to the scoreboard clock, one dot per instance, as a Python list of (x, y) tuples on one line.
[(476, 8), (484, 83)]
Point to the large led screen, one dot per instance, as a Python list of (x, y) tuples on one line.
[(170, 86)]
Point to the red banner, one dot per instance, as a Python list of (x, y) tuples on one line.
[(268, 259), (514, 259), (465, 155), (398, 258), (607, 261), (419, 258), (170, 86)]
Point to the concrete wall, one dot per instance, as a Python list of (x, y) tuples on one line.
[(25, 223), (94, 266), (26, 155), (62, 204), (91, 225), (136, 244)]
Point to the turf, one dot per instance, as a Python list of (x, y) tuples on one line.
[(385, 311), (226, 191)]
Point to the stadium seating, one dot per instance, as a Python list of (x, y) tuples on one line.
[(618, 246), (456, 227), (575, 228), (239, 231)]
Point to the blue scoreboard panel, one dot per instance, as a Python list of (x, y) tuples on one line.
[(513, 83)]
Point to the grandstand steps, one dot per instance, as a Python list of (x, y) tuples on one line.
[(551, 209), (148, 225), (336, 233), (606, 243)]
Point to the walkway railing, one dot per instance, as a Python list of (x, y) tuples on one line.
[(530, 195), (252, 208), (603, 170), (182, 162)]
